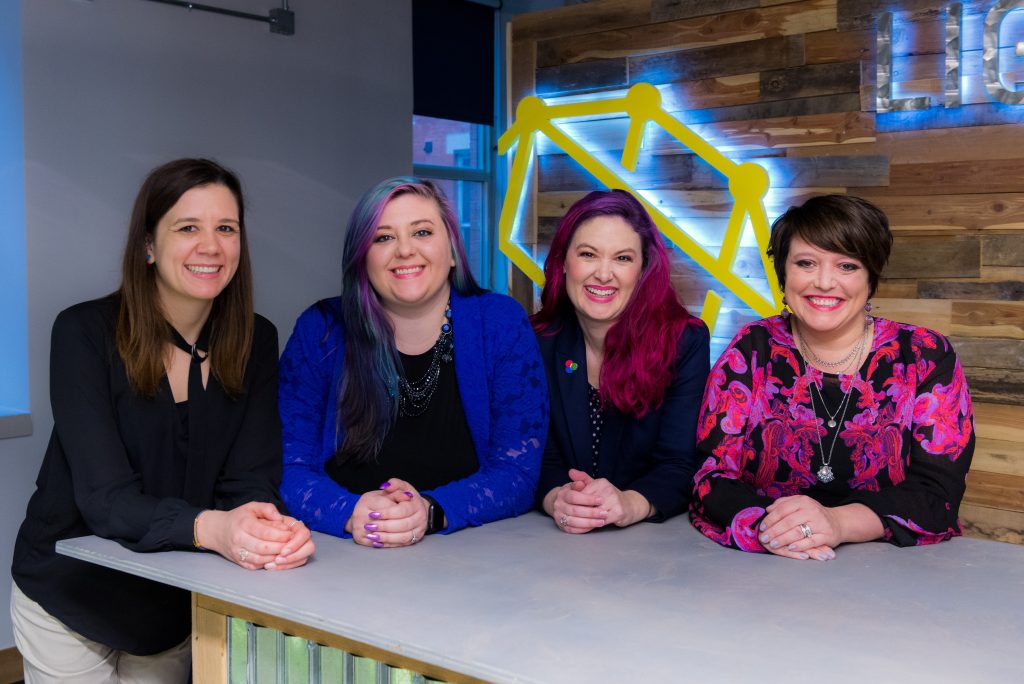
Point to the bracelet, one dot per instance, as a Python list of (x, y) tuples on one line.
[(195, 531)]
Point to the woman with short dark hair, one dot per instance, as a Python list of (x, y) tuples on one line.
[(827, 425), (166, 436)]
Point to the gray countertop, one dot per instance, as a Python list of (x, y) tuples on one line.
[(520, 601)]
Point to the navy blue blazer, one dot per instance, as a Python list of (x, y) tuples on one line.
[(654, 456)]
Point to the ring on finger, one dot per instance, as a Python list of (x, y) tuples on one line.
[(243, 554), (805, 529), (563, 521)]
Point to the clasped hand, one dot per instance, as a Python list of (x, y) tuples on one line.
[(255, 535), (782, 531), (395, 515), (585, 503)]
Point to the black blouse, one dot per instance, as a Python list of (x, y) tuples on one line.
[(114, 467), (428, 450)]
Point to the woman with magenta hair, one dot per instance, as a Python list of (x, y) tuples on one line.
[(414, 403), (626, 367)]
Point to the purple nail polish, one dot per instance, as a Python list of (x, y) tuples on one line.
[(791, 547), (774, 544), (378, 545), (764, 538), (374, 515), (408, 494), (804, 556), (385, 485), (373, 537), (762, 527), (370, 527)]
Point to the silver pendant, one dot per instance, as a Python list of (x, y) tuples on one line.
[(825, 474), (831, 423)]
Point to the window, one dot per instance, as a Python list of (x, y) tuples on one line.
[(457, 155), (14, 404)]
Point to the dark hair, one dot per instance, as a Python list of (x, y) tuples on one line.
[(143, 333), (366, 402), (843, 224), (640, 348)]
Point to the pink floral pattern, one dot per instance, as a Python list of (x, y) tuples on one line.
[(903, 450)]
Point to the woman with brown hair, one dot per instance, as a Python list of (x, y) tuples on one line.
[(166, 436)]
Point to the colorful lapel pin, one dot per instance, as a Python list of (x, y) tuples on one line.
[(571, 366)]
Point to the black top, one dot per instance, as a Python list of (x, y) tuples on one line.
[(115, 468), (653, 455), (428, 450)]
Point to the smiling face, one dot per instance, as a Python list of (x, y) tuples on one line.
[(826, 291), (602, 267), (411, 255), (195, 249)]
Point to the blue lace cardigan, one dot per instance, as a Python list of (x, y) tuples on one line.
[(501, 382)]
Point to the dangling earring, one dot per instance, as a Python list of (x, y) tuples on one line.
[(867, 311), (785, 308), (149, 258)]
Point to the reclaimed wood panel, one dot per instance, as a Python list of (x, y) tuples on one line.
[(936, 314), (999, 422), (955, 213), (579, 19), (720, 29), (996, 385), (993, 291), (935, 257), (989, 352), (996, 456), (811, 81), (723, 60), (997, 524), (988, 319), (861, 14), (667, 10), (995, 490), (1004, 250), (972, 176), (939, 145)]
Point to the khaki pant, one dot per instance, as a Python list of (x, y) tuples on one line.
[(53, 653)]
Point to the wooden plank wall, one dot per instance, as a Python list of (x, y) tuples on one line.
[(792, 85)]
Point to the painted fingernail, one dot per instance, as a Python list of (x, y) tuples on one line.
[(791, 547), (831, 555), (373, 537), (374, 515), (408, 494), (270, 566), (775, 544), (370, 527), (804, 556), (823, 557), (762, 527), (764, 538), (378, 545), (385, 485)]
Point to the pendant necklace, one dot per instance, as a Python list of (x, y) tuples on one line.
[(414, 397), (825, 474)]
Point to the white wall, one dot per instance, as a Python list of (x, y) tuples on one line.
[(114, 87)]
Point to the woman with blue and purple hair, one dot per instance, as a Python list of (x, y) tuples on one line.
[(626, 367), (415, 378)]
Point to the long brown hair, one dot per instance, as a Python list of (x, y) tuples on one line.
[(143, 333)]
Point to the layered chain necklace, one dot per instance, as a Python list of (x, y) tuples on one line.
[(847, 363), (414, 396)]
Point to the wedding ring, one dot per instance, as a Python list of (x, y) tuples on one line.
[(242, 555), (806, 529), (563, 521)]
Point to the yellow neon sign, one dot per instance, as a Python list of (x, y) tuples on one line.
[(748, 184)]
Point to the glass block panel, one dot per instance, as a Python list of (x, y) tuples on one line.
[(238, 660), (332, 666), (266, 655), (296, 658)]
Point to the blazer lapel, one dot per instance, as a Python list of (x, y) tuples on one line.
[(572, 388)]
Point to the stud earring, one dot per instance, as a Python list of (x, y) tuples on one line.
[(149, 258)]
